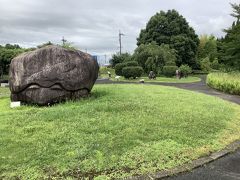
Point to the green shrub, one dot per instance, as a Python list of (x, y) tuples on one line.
[(152, 57), (205, 65), (226, 82), (120, 66), (120, 58), (185, 70), (7, 53), (215, 65), (169, 71), (132, 72), (131, 63)]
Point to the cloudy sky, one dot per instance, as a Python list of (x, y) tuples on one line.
[(94, 24)]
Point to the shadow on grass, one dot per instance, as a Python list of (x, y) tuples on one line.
[(98, 94)]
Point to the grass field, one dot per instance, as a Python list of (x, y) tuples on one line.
[(4, 92), (121, 130)]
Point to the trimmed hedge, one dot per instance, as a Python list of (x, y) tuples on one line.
[(119, 67), (226, 82), (169, 71), (132, 72), (131, 63)]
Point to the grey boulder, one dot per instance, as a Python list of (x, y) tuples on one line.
[(52, 74)]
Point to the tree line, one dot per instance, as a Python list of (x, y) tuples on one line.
[(9, 51), (168, 40)]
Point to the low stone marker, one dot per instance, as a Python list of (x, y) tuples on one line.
[(15, 104)]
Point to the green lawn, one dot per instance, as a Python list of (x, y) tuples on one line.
[(103, 74), (121, 130), (189, 79), (4, 92)]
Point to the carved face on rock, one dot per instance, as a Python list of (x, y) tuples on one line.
[(52, 74)]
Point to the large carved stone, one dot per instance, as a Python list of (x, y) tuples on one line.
[(52, 74)]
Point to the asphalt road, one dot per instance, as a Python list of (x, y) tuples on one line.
[(225, 168)]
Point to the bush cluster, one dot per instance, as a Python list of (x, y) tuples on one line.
[(132, 72), (7, 53), (120, 58), (169, 71), (226, 82), (119, 67), (152, 57), (185, 70)]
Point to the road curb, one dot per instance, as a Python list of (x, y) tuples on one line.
[(189, 166)]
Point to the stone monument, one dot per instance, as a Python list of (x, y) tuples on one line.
[(52, 74)]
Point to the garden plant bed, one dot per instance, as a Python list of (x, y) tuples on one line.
[(225, 82), (120, 131)]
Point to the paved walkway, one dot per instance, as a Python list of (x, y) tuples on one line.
[(225, 168)]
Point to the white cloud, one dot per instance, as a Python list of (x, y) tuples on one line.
[(94, 24)]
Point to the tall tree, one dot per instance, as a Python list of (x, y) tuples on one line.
[(171, 28), (152, 57), (7, 53), (230, 46), (207, 47)]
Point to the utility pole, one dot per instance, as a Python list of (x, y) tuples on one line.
[(120, 41), (64, 40)]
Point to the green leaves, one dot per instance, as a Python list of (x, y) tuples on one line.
[(153, 57), (132, 72), (185, 70), (230, 46), (7, 53), (172, 29), (120, 58), (207, 47)]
